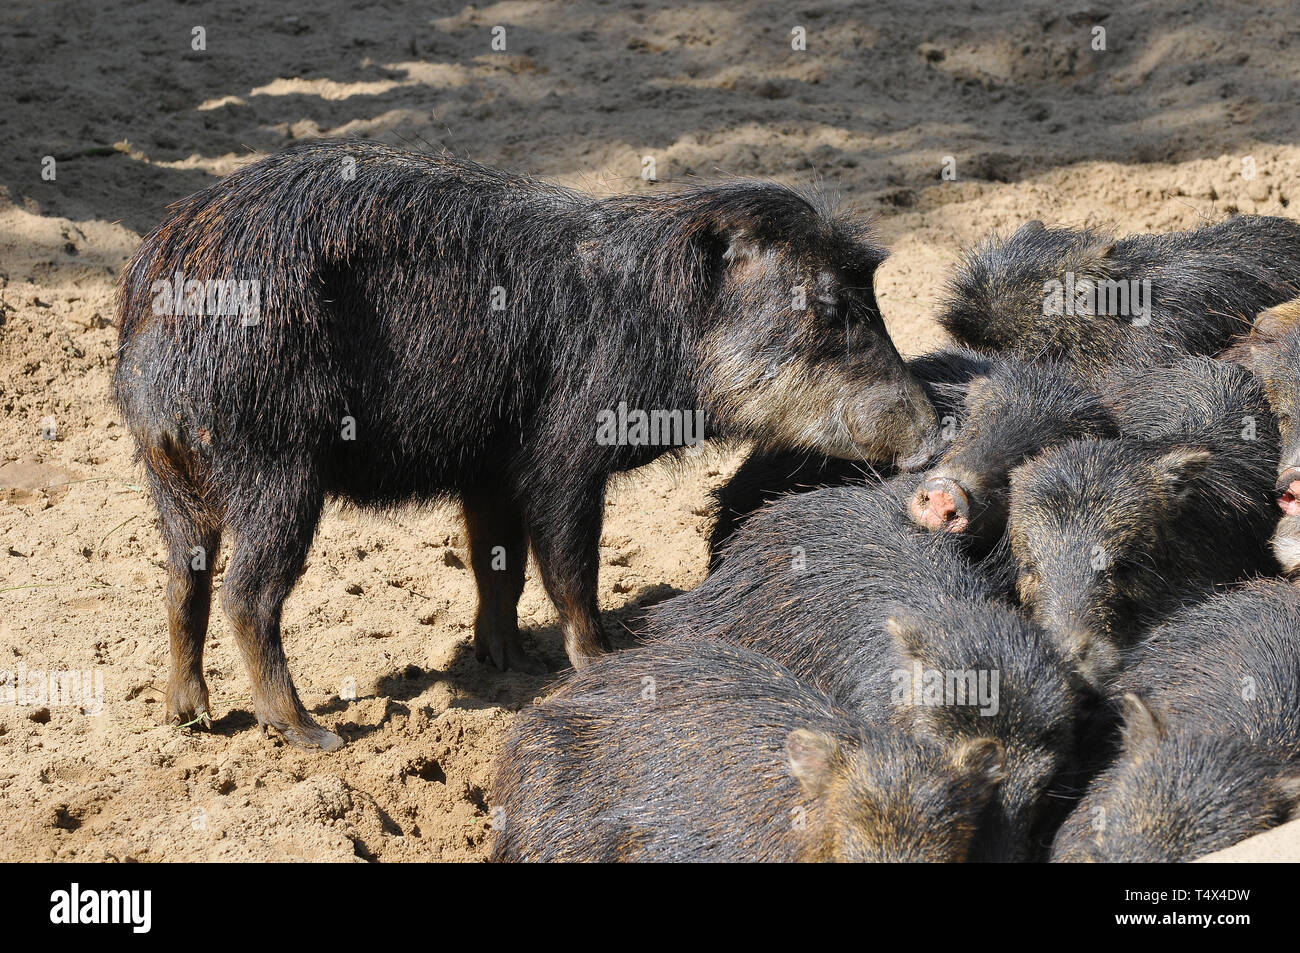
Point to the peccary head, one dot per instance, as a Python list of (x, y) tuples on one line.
[(1177, 793), (1014, 412), (1002, 677), (794, 353), (1099, 529), (892, 800), (1272, 353)]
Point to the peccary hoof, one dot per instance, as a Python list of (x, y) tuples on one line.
[(310, 736), (200, 720), (512, 658)]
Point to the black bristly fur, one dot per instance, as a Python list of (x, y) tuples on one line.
[(377, 269), (812, 582), (1206, 285), (1113, 535), (1222, 680), (682, 753)]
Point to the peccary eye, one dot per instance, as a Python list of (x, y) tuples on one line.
[(1124, 570), (852, 311), (836, 312), (830, 308)]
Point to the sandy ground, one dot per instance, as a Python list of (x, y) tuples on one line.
[(1153, 133)]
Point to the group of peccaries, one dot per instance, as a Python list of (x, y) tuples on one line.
[(1016, 599)]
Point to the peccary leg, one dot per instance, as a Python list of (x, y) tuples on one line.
[(564, 527), (498, 554), (191, 537), (189, 599), (274, 520)]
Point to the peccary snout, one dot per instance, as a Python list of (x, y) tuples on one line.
[(1288, 491), (942, 504), (893, 420)]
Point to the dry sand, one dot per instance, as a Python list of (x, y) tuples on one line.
[(1150, 134)]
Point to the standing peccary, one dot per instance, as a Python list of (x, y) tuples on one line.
[(1272, 352), (1210, 752), (710, 752), (422, 327), (1081, 296), (765, 476), (1113, 535), (898, 627)]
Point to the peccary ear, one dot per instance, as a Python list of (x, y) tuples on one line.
[(1034, 225), (811, 753), (1096, 265), (1289, 787), (738, 247), (1142, 728), (1177, 469), (983, 759), (975, 387), (1277, 320), (908, 636)]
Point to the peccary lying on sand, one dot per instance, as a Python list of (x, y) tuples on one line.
[(1272, 352), (1211, 736), (711, 752), (1082, 296), (1014, 411), (1113, 535), (898, 627)]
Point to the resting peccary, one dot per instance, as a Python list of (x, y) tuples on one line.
[(709, 752), (1211, 737), (414, 327), (1004, 411), (1272, 352), (1080, 295), (899, 628), (1113, 535), (765, 476), (1011, 413)]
